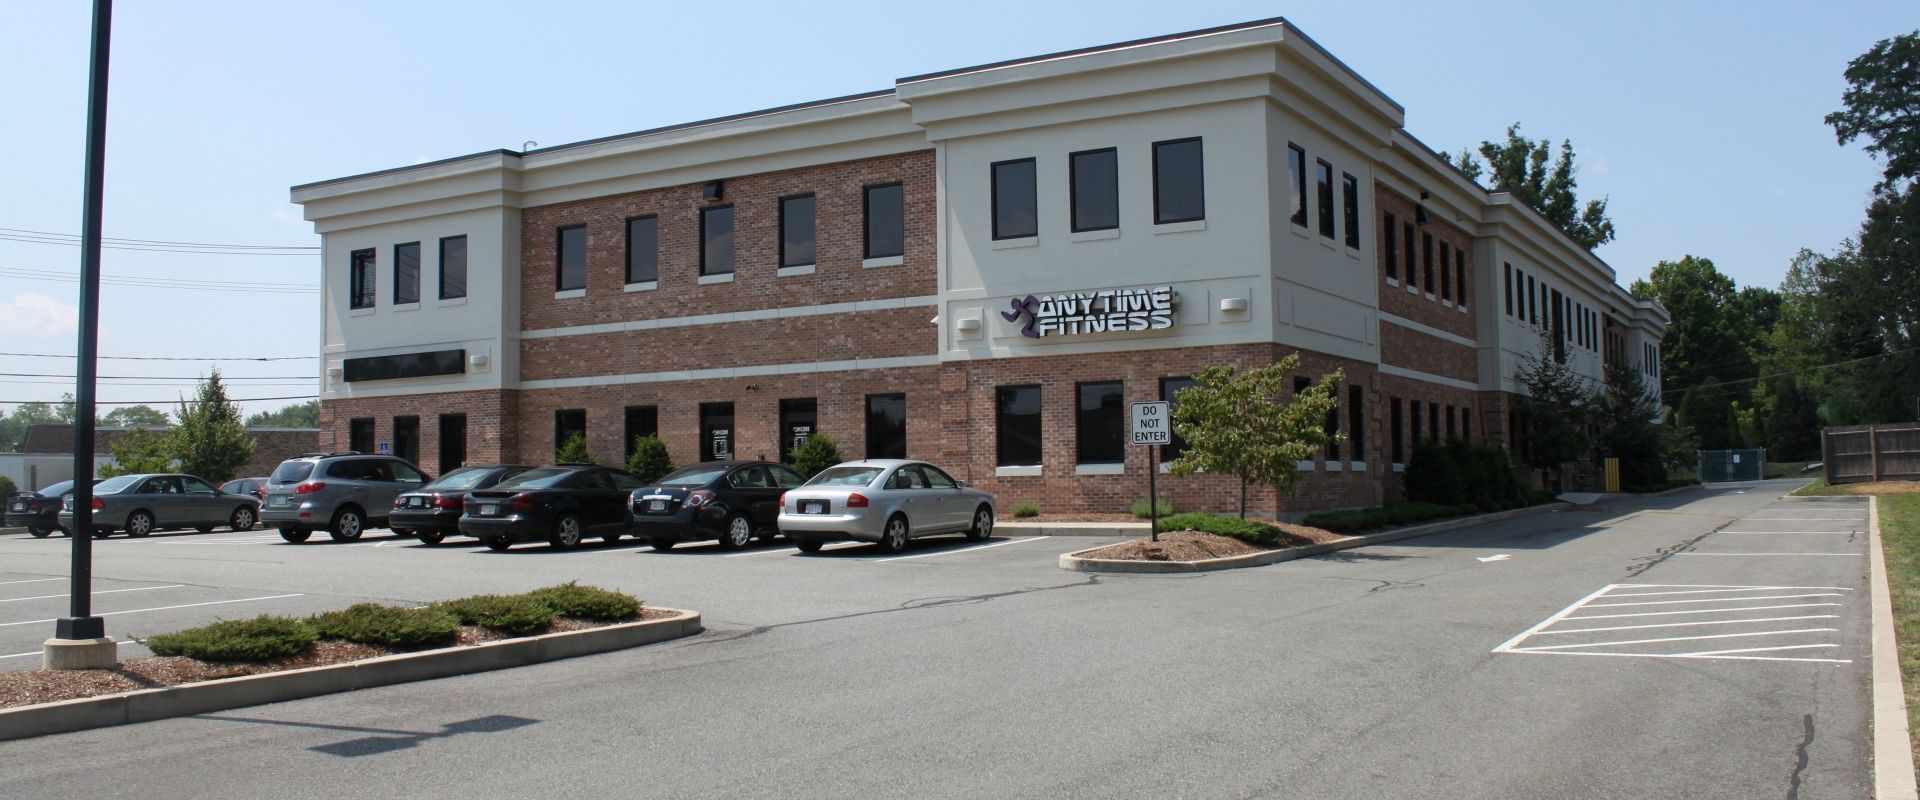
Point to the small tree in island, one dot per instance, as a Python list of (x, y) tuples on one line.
[(1242, 423)]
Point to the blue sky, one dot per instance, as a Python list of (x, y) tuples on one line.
[(1701, 122)]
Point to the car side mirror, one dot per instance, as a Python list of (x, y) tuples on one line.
[(959, 484)]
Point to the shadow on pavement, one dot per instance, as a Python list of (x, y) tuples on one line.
[(395, 740)]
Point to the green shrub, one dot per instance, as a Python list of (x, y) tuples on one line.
[(1140, 509), (818, 452), (1246, 530), (587, 602), (515, 614), (1432, 475), (1025, 509), (1360, 519), (262, 638), (6, 487), (650, 459), (574, 451), (387, 626)]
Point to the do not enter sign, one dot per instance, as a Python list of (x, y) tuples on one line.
[(1152, 423)]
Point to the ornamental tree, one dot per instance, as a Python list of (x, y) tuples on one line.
[(210, 442), (1242, 423), (650, 459)]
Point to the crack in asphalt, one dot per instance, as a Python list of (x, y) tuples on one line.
[(1800, 758), (1661, 555), (915, 604), (1384, 585)]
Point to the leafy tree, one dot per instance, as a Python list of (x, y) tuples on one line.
[(650, 459), (574, 451), (7, 488), (1557, 407), (1679, 445), (298, 415), (134, 417), (65, 410), (1241, 423), (818, 452), (210, 441), (1628, 412), (13, 427), (1519, 165), (139, 451), (1882, 105)]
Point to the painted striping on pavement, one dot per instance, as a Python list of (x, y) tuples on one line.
[(35, 580), (1714, 600), (963, 549), (162, 608), (1685, 624), (1675, 639), (106, 591), (1852, 555), (1682, 656), (1714, 591), (1703, 611)]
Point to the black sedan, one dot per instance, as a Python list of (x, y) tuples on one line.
[(732, 501), (38, 512), (431, 513), (560, 505)]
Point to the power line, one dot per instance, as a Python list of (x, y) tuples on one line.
[(162, 402), (161, 245), (167, 358), (163, 377), (159, 283)]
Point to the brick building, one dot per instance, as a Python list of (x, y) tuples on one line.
[(978, 267)]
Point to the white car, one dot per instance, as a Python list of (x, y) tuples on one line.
[(884, 501)]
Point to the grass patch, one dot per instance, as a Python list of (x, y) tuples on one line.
[(388, 626), (1360, 519), (1900, 535), (1142, 510), (1246, 530), (1819, 488), (511, 614), (588, 602), (262, 638), (1786, 469), (1024, 509)]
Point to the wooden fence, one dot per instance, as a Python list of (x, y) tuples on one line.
[(1858, 453)]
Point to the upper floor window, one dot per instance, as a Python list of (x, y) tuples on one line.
[(406, 273), (1406, 241), (1350, 198), (1297, 166), (643, 249), (1446, 275), (796, 231), (571, 263), (716, 240), (1095, 176), (1015, 202), (886, 221), (360, 280), (1426, 258), (1324, 173), (1460, 277), (1507, 273), (1179, 188), (453, 267), (1387, 240)]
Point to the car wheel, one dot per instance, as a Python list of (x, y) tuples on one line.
[(566, 533), (101, 533), (203, 528), (663, 543), (242, 519), (139, 524), (613, 537), (738, 533), (807, 545), (982, 524), (497, 543), (63, 531), (347, 525), (295, 535), (39, 533), (894, 538), (430, 538)]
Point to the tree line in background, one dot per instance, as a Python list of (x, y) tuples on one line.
[(14, 426)]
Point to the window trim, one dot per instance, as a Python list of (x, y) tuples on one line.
[(814, 232), (1158, 218), (866, 220), (559, 258), (733, 231), (628, 268), (416, 273), (1350, 208), (354, 281), (993, 197), (441, 266), (1073, 190)]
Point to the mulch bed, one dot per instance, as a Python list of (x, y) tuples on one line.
[(1077, 518), (28, 687), (1199, 546)]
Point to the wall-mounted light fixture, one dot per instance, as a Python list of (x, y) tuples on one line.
[(1233, 304), (477, 360), (711, 192), (969, 324)]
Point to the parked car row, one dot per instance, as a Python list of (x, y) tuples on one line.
[(137, 505)]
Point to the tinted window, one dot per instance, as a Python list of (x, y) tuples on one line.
[(572, 258), (1015, 205), (1460, 276), (1178, 186), (1324, 196), (592, 479), (453, 267), (785, 478), (641, 421), (1446, 275), (404, 365), (798, 416), (403, 473), (1096, 190), (113, 485), (1357, 421), (691, 476), (796, 231), (58, 489), (1297, 166), (1389, 242), (1350, 200), (541, 478), (624, 481), (845, 476), (716, 431), (643, 249), (291, 472), (936, 478), (716, 241), (1017, 414), (568, 423), (461, 480), (907, 477), (1426, 260), (360, 280), (1098, 424), (406, 438), (360, 435), (886, 426), (886, 221), (406, 273)]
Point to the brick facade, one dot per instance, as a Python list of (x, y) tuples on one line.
[(887, 333), (1427, 306)]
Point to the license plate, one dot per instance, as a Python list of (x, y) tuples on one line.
[(282, 500), (19, 506), (489, 509), (813, 507), (416, 502), (657, 505)]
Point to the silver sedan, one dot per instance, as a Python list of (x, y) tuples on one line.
[(142, 504), (884, 501)]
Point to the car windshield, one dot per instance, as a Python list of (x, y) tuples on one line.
[(691, 476), (459, 480), (292, 472), (111, 485), (57, 489), (845, 476), (542, 478)]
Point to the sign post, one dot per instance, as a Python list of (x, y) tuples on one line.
[(1152, 426)]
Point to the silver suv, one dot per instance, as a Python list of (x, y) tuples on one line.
[(337, 492)]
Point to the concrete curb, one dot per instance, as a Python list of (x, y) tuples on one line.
[(1073, 561), (146, 705), (1073, 528), (1893, 777)]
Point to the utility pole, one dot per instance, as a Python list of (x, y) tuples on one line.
[(80, 638)]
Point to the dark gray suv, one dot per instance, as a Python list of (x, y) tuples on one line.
[(340, 493)]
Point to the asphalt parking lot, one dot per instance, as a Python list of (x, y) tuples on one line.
[(1493, 661)]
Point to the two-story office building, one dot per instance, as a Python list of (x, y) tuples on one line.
[(979, 267)]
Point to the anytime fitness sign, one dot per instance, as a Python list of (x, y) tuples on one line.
[(1093, 312)]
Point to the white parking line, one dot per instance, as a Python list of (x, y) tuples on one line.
[(963, 549), (1674, 639), (1709, 600), (1703, 611), (1710, 591), (107, 591), (834, 546), (161, 608), (35, 580), (1794, 533), (1684, 624), (22, 655), (1727, 609), (1853, 555)]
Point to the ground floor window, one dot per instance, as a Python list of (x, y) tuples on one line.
[(453, 442), (1398, 432), (1466, 424), (1357, 421), (1413, 412), (568, 423), (716, 431), (798, 417), (1170, 392), (406, 438), (1433, 421), (1017, 418), (886, 426), (641, 421), (1452, 422), (360, 435), (1099, 424)]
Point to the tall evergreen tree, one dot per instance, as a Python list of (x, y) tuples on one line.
[(1558, 406), (210, 441)]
